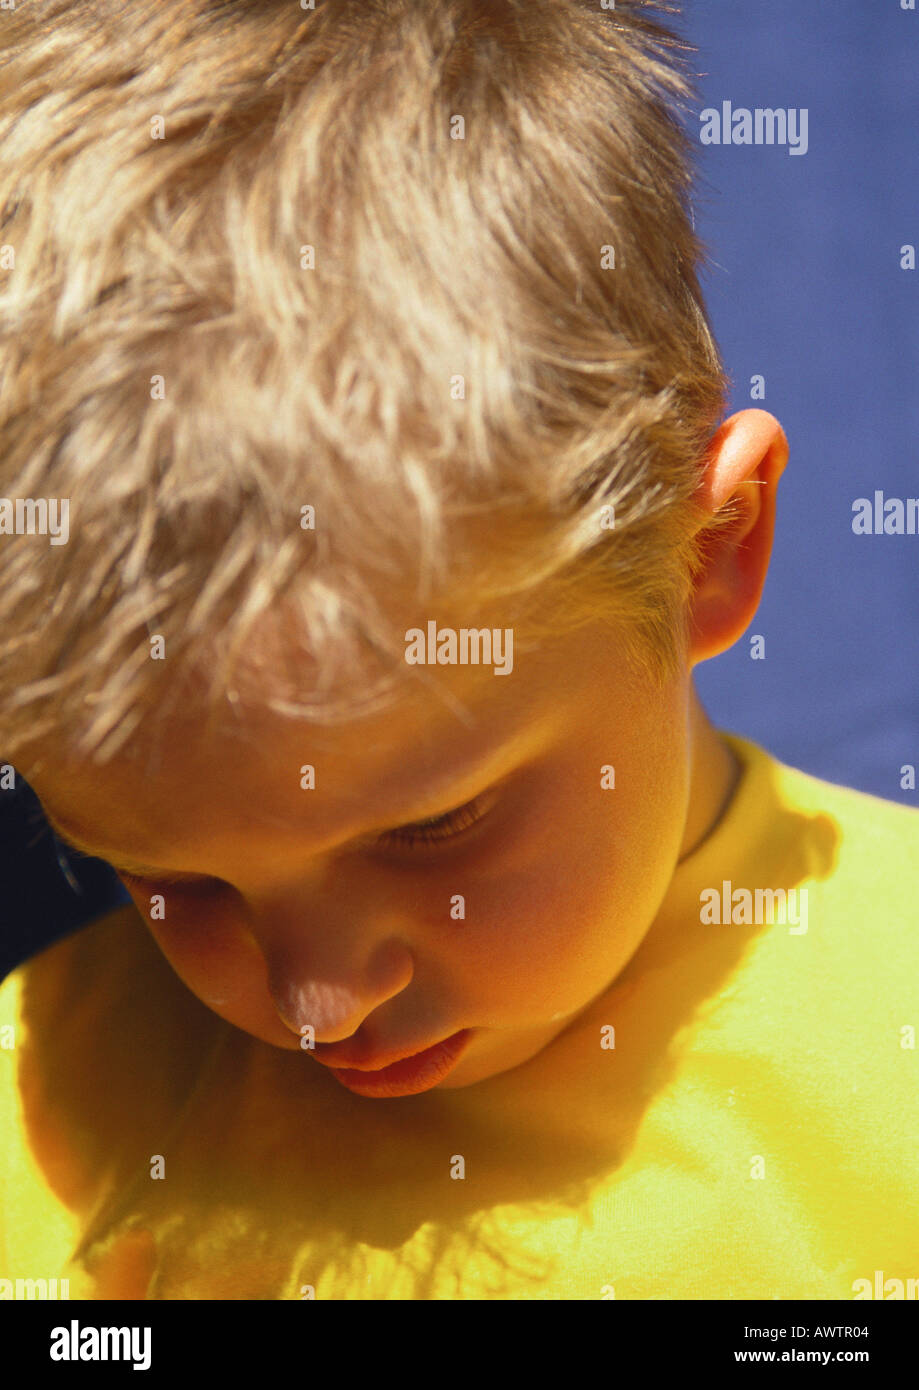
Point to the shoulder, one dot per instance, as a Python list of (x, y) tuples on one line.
[(835, 870), (97, 1015), (858, 831), (79, 970)]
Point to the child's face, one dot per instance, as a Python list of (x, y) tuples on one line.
[(307, 910)]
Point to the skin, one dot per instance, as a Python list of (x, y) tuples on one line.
[(305, 910)]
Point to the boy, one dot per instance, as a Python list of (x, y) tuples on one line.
[(466, 959)]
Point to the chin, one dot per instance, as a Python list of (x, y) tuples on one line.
[(473, 1070)]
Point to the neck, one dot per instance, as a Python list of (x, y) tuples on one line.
[(714, 774)]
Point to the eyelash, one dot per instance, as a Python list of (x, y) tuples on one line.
[(449, 826), (160, 878), (446, 827)]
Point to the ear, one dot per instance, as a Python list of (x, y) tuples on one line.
[(743, 464)]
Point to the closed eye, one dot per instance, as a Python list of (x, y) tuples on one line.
[(446, 827), (182, 882)]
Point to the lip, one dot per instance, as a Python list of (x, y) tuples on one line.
[(407, 1075)]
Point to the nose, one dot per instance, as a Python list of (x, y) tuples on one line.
[(335, 1000)]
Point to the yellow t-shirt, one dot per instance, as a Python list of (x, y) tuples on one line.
[(750, 1129)]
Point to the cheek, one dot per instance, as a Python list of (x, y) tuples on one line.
[(205, 938), (562, 912), (549, 939)]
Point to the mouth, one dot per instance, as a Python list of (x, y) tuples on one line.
[(406, 1076)]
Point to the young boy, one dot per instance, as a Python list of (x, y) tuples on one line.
[(466, 959)]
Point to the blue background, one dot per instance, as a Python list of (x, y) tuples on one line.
[(805, 288)]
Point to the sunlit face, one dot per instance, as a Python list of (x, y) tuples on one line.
[(331, 908)]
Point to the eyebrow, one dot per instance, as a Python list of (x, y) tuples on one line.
[(73, 841)]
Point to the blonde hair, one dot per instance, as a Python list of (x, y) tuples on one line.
[(427, 266)]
